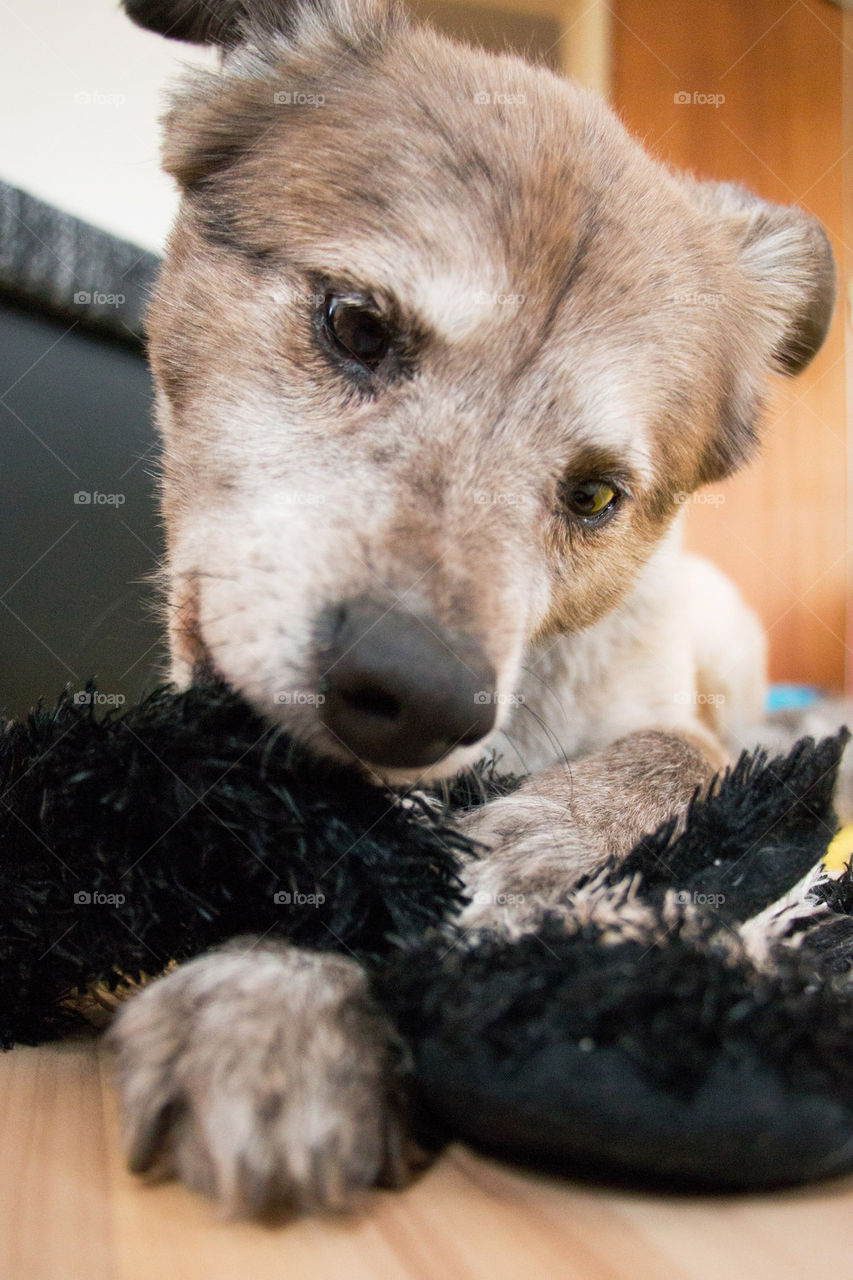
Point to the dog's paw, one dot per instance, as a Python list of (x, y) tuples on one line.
[(565, 823), (264, 1076)]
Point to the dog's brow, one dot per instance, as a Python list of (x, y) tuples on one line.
[(608, 423), (590, 459), (454, 306), (627, 462)]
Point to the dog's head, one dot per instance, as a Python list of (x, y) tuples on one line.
[(437, 346)]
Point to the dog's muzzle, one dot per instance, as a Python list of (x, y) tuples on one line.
[(399, 693)]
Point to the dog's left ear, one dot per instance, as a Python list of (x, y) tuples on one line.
[(785, 256)]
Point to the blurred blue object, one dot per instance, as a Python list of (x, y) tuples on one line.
[(791, 697)]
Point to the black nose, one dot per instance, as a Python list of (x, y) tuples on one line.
[(400, 694)]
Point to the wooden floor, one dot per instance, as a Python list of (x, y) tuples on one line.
[(69, 1211)]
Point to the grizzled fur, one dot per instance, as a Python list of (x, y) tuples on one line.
[(544, 279)]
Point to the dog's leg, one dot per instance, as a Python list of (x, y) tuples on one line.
[(263, 1074), (730, 652), (564, 823)]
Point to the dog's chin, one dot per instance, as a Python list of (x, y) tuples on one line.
[(326, 746), (459, 761)]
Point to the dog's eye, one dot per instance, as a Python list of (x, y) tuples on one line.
[(589, 499), (357, 331)]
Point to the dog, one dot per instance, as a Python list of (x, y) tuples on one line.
[(434, 379)]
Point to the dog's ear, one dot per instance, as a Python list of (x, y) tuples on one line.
[(219, 22), (229, 23), (786, 260), (197, 21), (217, 117), (777, 309)]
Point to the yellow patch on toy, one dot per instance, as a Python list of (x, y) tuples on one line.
[(840, 850)]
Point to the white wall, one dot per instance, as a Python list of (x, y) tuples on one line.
[(80, 91)]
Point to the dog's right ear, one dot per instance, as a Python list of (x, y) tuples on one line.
[(219, 22), (228, 23)]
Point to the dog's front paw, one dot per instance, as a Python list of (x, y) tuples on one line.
[(262, 1076), (565, 823)]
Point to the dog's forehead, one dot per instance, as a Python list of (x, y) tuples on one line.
[(462, 181)]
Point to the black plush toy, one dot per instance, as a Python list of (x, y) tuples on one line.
[(684, 1050)]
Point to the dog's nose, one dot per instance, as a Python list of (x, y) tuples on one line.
[(398, 693)]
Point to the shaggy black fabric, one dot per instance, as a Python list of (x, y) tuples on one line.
[(129, 840), (670, 1058), (639, 1033), (765, 827), (662, 1064)]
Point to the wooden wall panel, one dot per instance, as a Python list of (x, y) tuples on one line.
[(781, 530)]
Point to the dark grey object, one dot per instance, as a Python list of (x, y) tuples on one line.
[(62, 266), (79, 535)]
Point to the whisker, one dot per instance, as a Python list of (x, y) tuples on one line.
[(526, 770), (547, 685), (562, 758)]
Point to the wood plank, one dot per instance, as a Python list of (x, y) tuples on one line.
[(69, 1209), (53, 1185)]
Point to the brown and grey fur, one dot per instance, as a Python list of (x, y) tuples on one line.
[(646, 310)]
